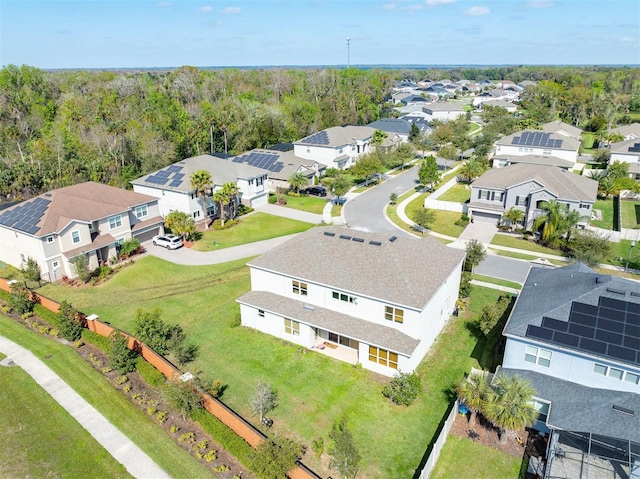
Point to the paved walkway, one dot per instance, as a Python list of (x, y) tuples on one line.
[(495, 286), (137, 463), (291, 213)]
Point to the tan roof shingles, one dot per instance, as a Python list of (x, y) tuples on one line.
[(406, 272), (568, 142), (345, 325), (97, 243)]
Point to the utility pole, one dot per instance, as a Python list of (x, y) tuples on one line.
[(348, 44)]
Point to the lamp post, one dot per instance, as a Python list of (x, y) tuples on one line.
[(348, 45), (633, 243)]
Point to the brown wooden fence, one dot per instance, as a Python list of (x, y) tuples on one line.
[(214, 406)]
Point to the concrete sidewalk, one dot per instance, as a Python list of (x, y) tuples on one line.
[(137, 463), (291, 213)]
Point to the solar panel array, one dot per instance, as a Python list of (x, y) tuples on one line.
[(169, 175), (320, 138), (281, 147), (26, 216), (611, 329), (635, 148), (536, 138), (265, 161)]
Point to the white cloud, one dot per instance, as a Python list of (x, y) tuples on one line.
[(438, 2), (163, 4), (231, 10), (206, 9), (389, 6), (539, 4), (627, 40), (477, 11)]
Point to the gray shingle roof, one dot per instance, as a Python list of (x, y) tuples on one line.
[(631, 129), (561, 183), (625, 147), (365, 331), (583, 409), (392, 125), (557, 126), (406, 271), (443, 106), (338, 136), (536, 160), (568, 143)]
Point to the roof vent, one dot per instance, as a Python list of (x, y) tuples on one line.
[(616, 291), (329, 233), (624, 410), (375, 243), (601, 279), (358, 240), (393, 238), (345, 237), (635, 293), (309, 307)]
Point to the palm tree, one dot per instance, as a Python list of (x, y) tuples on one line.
[(513, 216), (570, 222), (471, 170), (473, 391), (606, 187), (200, 181), (297, 180), (510, 405), (222, 197), (232, 190), (552, 221)]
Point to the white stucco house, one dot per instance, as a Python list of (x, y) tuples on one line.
[(335, 147), (628, 132), (172, 185), (372, 299), (627, 151), (536, 143), (562, 128), (88, 219), (444, 111), (507, 105)]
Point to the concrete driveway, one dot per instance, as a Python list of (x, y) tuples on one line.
[(483, 232)]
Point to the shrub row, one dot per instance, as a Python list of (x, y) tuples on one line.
[(150, 374)]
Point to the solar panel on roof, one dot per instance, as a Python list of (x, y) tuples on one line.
[(237, 160), (594, 346), (622, 353), (277, 167), (584, 308), (175, 183), (613, 303), (580, 330), (174, 168), (178, 176), (554, 324), (32, 229), (566, 339), (631, 342), (163, 174), (539, 333), (608, 336), (635, 148), (610, 325)]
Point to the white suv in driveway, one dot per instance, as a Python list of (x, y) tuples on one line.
[(168, 241)]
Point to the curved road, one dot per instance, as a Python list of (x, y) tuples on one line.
[(365, 212)]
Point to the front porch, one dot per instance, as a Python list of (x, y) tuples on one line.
[(336, 346)]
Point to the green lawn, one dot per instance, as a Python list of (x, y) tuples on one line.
[(459, 193), (527, 257), (255, 227), (33, 425), (606, 206), (314, 391), (311, 204), (445, 223), (630, 213), (528, 245), (462, 458), (499, 282), (94, 388)]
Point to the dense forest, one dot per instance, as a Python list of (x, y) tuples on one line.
[(63, 127)]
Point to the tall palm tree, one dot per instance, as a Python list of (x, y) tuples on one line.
[(222, 197), (231, 189), (473, 391), (551, 221), (297, 180), (200, 181), (510, 405), (513, 216), (570, 222)]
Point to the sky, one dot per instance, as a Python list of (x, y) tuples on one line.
[(53, 34)]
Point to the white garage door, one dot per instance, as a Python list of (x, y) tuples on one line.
[(486, 217)]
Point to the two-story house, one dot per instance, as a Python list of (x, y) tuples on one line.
[(373, 299), (88, 218), (444, 111), (525, 186), (172, 185), (562, 128), (575, 334), (627, 132), (627, 151), (336, 147), (538, 147)]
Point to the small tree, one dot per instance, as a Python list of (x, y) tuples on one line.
[(414, 133), (393, 198), (275, 457), (181, 224), (264, 399), (345, 457), (490, 314), (129, 247), (465, 285), (183, 397), (367, 166), (20, 299), (403, 389), (513, 216), (473, 391), (297, 180), (70, 327), (120, 356), (476, 253), (31, 270), (589, 248), (429, 173), (618, 169), (424, 217), (81, 266), (340, 185)]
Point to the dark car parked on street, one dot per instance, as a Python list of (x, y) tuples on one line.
[(315, 191)]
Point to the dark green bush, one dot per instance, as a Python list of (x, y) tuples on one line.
[(150, 374), (403, 389), (95, 339), (225, 436)]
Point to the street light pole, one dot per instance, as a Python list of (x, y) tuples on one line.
[(348, 45), (633, 243)]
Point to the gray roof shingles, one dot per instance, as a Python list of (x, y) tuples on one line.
[(406, 272), (568, 143), (340, 136)]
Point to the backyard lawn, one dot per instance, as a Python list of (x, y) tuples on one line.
[(47, 428), (311, 204), (255, 227), (33, 425), (314, 391), (445, 223), (606, 207), (630, 213), (459, 193), (461, 457)]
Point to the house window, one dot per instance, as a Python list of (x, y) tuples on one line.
[(55, 264), (115, 222), (299, 288), (600, 369), (546, 152), (543, 410), (384, 357), (142, 211), (251, 182), (340, 150), (632, 378), (616, 373), (521, 200), (261, 313), (291, 327), (585, 206), (343, 340), (308, 150), (483, 195), (75, 237), (538, 356), (259, 181), (496, 196), (393, 314), (49, 239), (344, 297), (196, 214)]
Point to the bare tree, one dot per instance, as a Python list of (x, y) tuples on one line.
[(264, 399)]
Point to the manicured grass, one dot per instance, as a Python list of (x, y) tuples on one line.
[(9, 272), (630, 213), (459, 193), (499, 282), (40, 439), (473, 128), (622, 251), (462, 457), (336, 210), (518, 243), (445, 223), (606, 206), (311, 204), (256, 227), (96, 390), (314, 391)]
